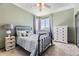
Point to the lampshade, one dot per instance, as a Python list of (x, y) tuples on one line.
[(8, 26)]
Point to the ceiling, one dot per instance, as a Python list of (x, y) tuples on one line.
[(54, 7)]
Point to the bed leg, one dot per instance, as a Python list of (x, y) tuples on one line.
[(52, 44)]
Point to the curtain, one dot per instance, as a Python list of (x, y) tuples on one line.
[(34, 27), (51, 26), (36, 24)]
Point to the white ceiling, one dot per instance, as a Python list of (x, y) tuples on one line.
[(54, 7)]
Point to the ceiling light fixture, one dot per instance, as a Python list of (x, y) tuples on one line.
[(41, 6)]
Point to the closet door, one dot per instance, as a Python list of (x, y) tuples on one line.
[(77, 26)]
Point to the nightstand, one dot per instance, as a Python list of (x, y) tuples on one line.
[(9, 42)]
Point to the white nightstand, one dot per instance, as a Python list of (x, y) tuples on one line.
[(9, 42)]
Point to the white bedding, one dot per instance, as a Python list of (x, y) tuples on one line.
[(28, 43)]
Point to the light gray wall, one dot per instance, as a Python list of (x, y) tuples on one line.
[(10, 14), (76, 9), (66, 18)]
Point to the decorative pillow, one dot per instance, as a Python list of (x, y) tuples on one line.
[(29, 33), (21, 33), (24, 33), (18, 33)]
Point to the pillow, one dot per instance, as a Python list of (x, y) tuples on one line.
[(18, 33), (21, 33), (29, 33), (24, 33)]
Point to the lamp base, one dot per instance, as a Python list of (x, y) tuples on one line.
[(8, 35)]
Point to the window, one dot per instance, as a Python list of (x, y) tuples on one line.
[(44, 24)]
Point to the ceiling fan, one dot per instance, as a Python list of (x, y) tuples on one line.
[(41, 6)]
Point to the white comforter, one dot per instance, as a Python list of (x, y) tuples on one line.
[(28, 43)]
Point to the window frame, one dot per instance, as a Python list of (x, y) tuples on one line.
[(45, 23)]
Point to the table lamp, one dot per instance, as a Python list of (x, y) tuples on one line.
[(8, 28)]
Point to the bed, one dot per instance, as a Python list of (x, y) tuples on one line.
[(36, 44)]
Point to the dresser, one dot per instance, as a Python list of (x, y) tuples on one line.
[(9, 42), (60, 34)]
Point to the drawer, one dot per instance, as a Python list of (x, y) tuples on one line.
[(12, 37), (10, 40), (10, 43), (10, 47)]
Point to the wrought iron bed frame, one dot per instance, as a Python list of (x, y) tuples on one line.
[(39, 35)]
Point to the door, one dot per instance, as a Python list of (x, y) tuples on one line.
[(77, 28)]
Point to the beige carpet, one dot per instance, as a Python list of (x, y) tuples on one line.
[(69, 49), (59, 49)]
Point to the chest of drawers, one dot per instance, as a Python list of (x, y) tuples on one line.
[(60, 34), (9, 42)]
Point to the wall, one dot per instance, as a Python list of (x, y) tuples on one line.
[(10, 14), (76, 9), (66, 18)]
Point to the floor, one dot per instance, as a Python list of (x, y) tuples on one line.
[(18, 51), (59, 49)]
